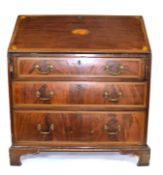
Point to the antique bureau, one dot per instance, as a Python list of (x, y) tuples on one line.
[(79, 83)]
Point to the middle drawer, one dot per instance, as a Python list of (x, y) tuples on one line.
[(118, 94)]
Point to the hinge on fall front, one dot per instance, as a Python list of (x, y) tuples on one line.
[(146, 72), (11, 69)]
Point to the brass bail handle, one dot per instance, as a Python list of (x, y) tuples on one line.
[(112, 97), (42, 97), (51, 128), (46, 69), (114, 70), (112, 131)]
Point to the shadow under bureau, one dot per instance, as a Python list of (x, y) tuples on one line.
[(79, 83)]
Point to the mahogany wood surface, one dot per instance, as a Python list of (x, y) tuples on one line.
[(76, 67), (96, 34), (79, 83), (82, 93), (112, 127), (142, 151)]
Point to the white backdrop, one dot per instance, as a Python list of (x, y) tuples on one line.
[(66, 163)]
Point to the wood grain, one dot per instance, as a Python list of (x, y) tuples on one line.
[(90, 93), (79, 83), (142, 151), (106, 34), (76, 67), (80, 127)]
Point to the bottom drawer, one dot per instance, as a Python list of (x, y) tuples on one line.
[(83, 128)]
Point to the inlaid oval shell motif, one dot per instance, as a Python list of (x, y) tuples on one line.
[(80, 31)]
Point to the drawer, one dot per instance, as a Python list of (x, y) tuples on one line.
[(118, 94), (43, 127), (83, 68)]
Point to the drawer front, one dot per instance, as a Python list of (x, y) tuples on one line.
[(80, 67), (79, 93), (66, 127)]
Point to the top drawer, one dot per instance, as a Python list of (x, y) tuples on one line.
[(80, 68)]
